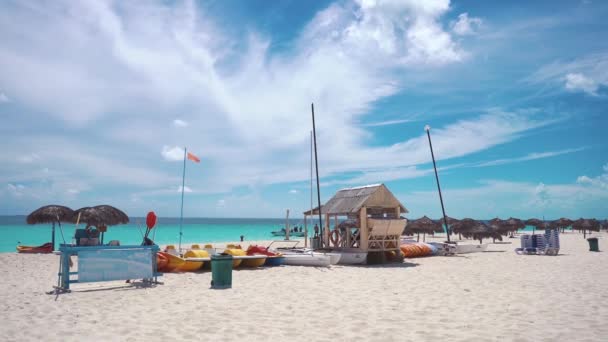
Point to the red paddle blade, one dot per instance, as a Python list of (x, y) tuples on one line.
[(151, 220)]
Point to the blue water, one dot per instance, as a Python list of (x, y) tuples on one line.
[(14, 231)]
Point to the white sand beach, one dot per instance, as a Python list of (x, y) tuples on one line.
[(491, 296)]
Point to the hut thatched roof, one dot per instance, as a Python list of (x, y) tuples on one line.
[(314, 211), (376, 198)]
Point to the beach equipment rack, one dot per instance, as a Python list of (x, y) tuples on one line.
[(107, 263)]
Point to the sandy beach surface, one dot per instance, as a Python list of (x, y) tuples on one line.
[(491, 296)]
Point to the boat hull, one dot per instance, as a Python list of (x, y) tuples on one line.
[(257, 262), (352, 258), (464, 249), (307, 260), (274, 261)]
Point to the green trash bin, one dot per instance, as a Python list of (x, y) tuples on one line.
[(221, 271), (593, 245)]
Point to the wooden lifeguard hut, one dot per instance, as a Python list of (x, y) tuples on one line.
[(366, 218)]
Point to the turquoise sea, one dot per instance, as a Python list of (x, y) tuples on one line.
[(14, 231)]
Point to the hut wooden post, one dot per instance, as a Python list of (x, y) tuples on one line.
[(363, 233)]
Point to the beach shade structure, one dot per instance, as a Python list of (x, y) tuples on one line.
[(100, 216), (511, 225), (51, 214), (498, 229), (561, 223), (536, 223), (423, 225), (480, 230), (463, 225), (585, 225)]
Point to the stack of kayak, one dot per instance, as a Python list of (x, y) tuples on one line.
[(417, 249)]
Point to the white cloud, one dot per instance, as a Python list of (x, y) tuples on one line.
[(531, 156), (386, 123), (586, 74), (172, 153), (499, 198), (465, 25), (28, 158), (293, 192), (186, 189), (132, 67), (600, 181), (579, 82), (180, 123), (16, 190), (4, 98)]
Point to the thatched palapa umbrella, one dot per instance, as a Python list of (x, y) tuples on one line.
[(536, 223), (423, 225), (586, 224), (561, 223), (100, 216), (479, 230), (511, 225), (51, 214)]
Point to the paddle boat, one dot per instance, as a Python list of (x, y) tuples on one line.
[(272, 259)]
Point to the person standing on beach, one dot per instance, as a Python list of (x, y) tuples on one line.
[(316, 230), (242, 238)]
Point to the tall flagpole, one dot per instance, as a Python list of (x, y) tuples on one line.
[(427, 128), (181, 215)]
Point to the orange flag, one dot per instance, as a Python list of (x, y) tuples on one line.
[(193, 158)]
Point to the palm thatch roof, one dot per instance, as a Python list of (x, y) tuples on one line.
[(586, 224), (512, 224), (423, 225), (539, 224), (50, 214), (376, 198), (101, 215), (561, 223), (315, 211)]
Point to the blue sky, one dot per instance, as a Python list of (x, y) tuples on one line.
[(97, 100)]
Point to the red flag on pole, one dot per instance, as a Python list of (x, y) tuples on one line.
[(193, 158)]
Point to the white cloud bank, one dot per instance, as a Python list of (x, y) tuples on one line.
[(580, 82), (180, 123), (466, 25), (498, 198), (174, 153), (586, 74)]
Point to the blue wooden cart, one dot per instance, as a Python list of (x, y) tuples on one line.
[(106, 263)]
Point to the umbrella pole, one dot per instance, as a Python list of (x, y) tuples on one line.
[(61, 231)]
